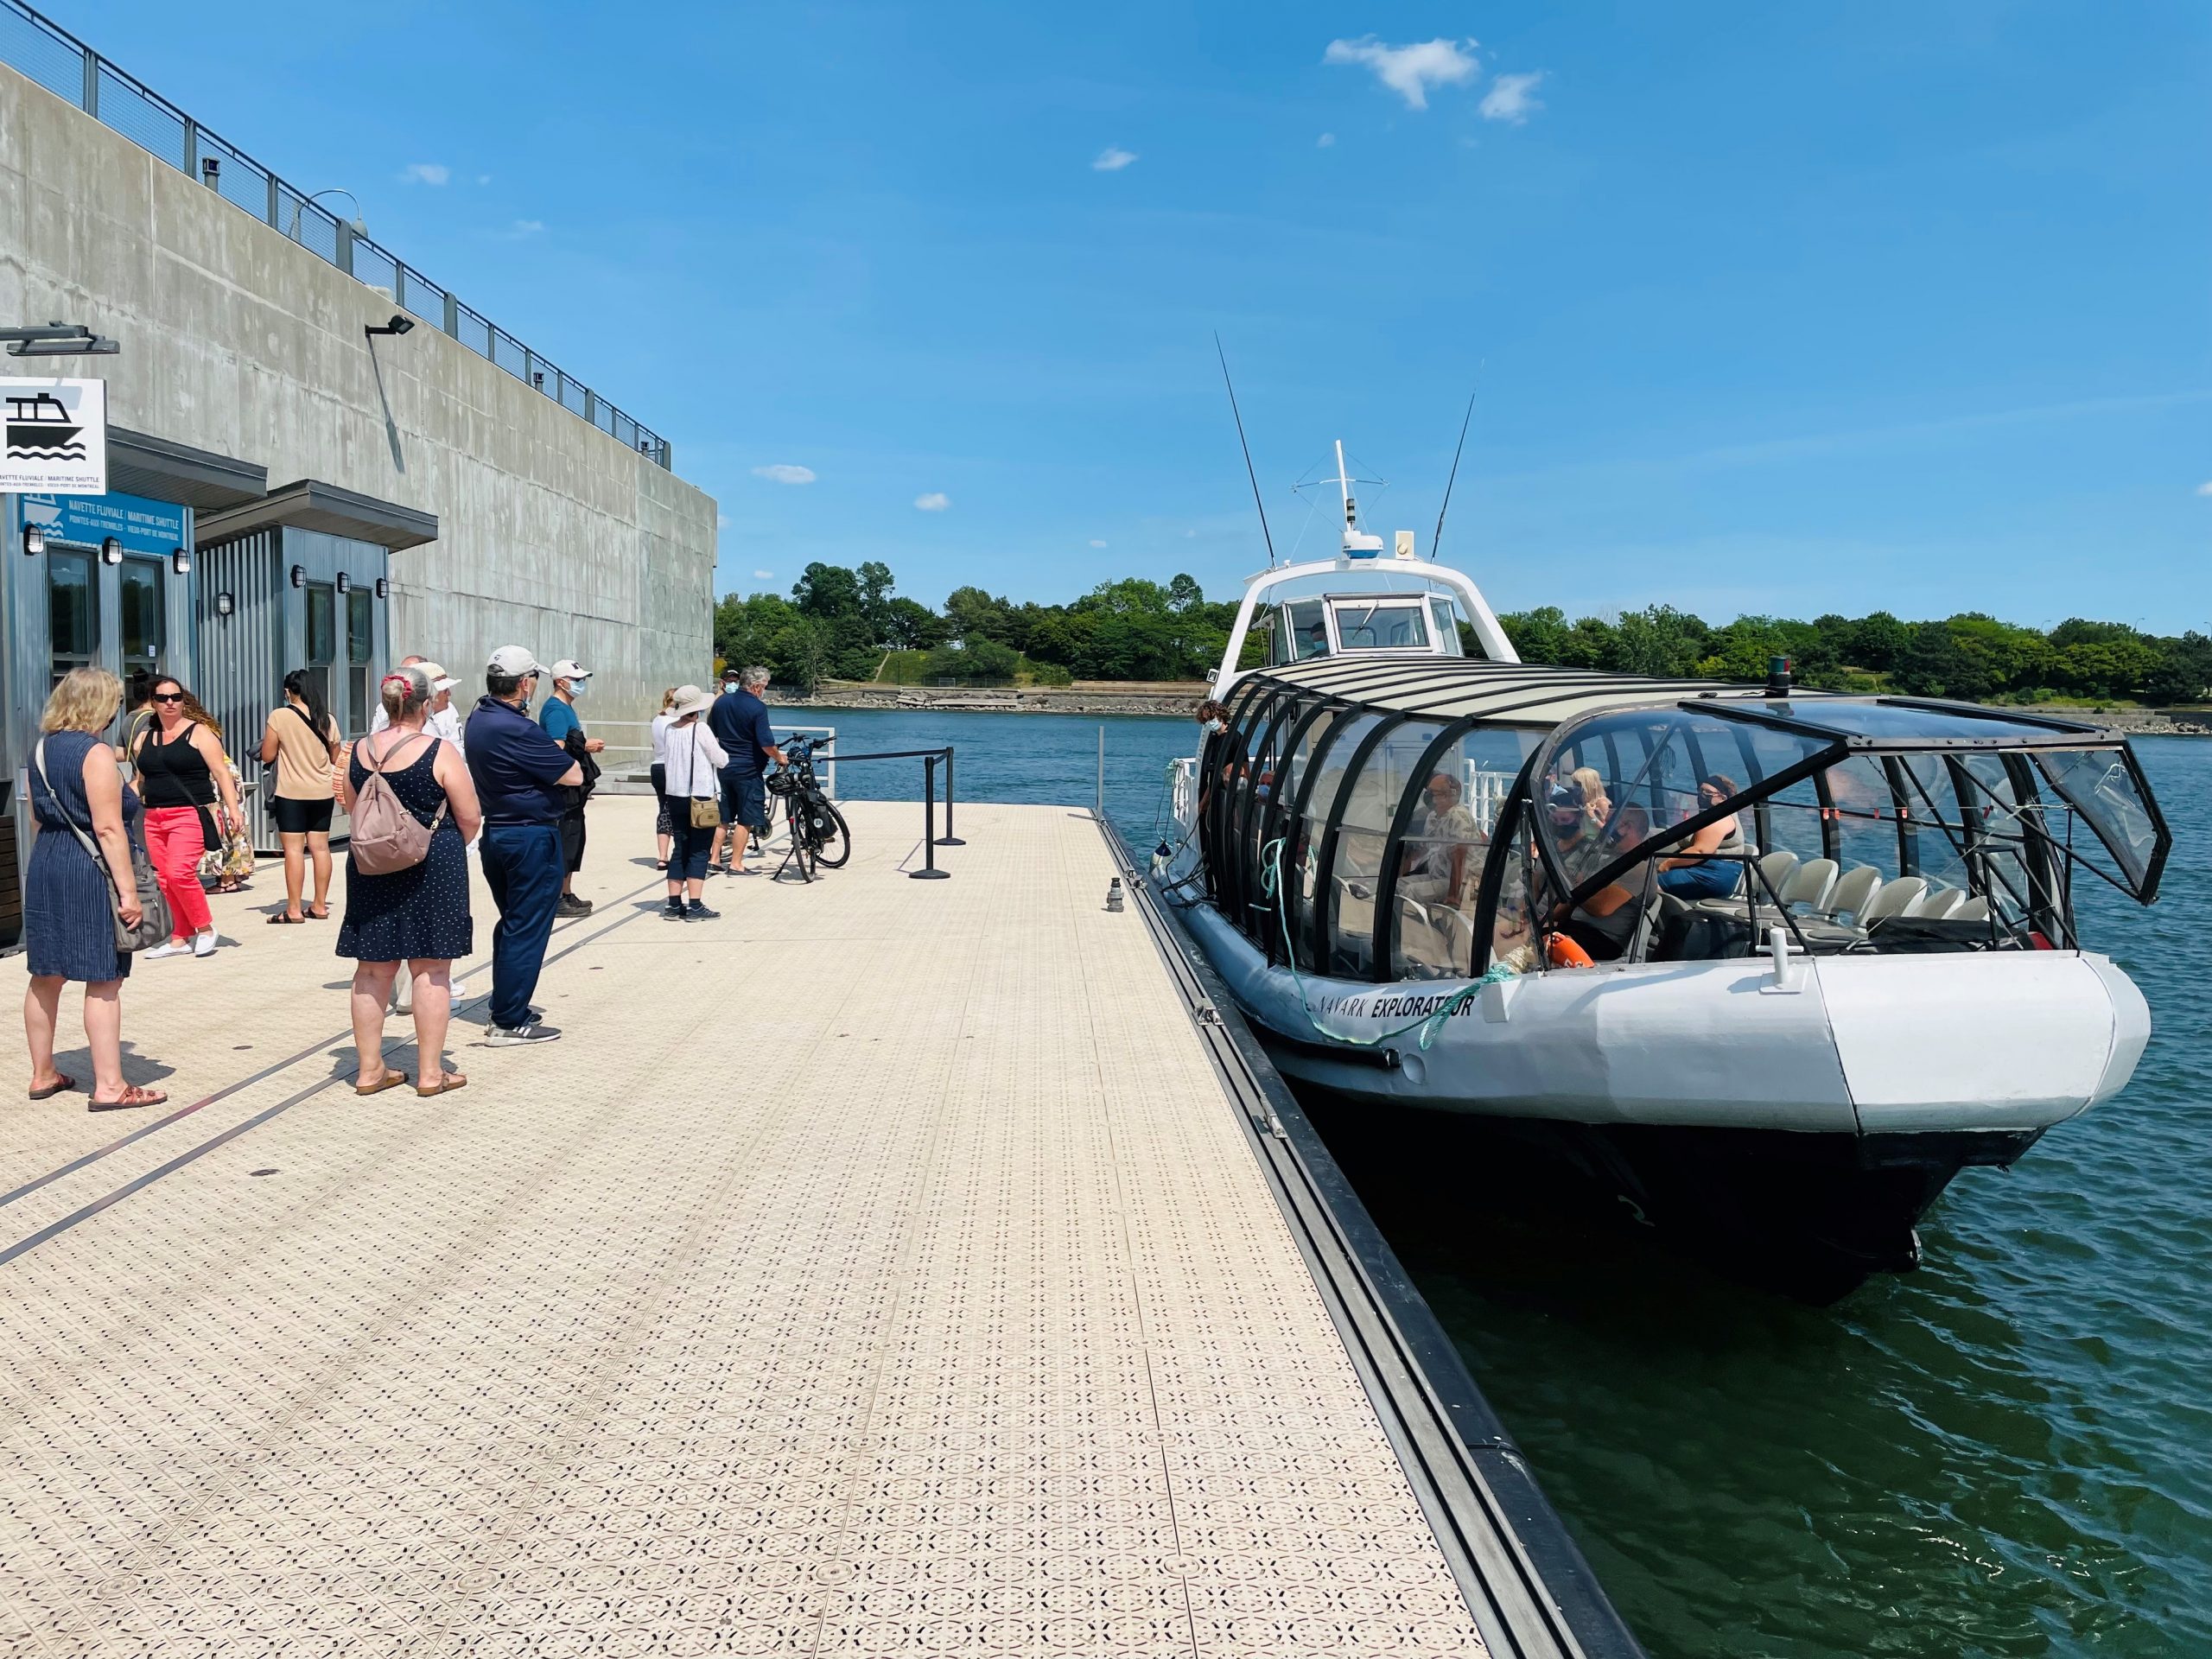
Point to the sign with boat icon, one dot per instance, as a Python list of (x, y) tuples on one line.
[(56, 435)]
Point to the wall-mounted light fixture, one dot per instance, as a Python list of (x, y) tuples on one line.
[(111, 551), (401, 323), (224, 604), (537, 380), (299, 575), (345, 582), (34, 539), (211, 170), (58, 340), (179, 561), (384, 587)]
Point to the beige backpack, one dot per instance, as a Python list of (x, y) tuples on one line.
[(387, 837)]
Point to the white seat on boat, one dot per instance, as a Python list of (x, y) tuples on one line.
[(1776, 867), (1853, 891), (1458, 936), (1896, 898), (1943, 902), (1975, 909), (1420, 947), (1808, 884)]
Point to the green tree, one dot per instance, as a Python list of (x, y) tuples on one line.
[(1658, 640), (1879, 641), (975, 614), (909, 624), (828, 590), (1538, 636)]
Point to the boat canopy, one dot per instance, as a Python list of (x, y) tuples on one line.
[(1424, 816)]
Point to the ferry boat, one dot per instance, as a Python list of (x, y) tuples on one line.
[(1772, 965)]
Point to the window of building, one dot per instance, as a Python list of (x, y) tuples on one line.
[(322, 646)]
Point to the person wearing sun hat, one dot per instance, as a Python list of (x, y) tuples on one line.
[(444, 721), (695, 763), (565, 726)]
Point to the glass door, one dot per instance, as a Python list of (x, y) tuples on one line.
[(145, 630), (360, 640), (72, 611), (322, 646)]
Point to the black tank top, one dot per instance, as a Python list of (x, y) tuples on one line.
[(173, 773)]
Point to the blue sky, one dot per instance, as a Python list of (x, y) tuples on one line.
[(1771, 307)]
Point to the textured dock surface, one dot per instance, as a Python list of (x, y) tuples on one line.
[(878, 1269)]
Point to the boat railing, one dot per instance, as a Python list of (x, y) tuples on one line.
[(47, 53), (1183, 787)]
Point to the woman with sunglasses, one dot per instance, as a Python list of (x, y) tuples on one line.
[(181, 769), (1690, 875)]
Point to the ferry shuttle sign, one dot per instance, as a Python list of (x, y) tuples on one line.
[(56, 435)]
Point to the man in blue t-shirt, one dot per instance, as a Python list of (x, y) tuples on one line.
[(566, 726), (739, 720), (522, 779)]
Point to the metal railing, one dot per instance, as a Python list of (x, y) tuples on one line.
[(633, 757), (66, 66)]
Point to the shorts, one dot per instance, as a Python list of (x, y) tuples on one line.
[(301, 817), (745, 800), (572, 841)]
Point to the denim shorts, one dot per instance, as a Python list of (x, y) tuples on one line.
[(745, 800)]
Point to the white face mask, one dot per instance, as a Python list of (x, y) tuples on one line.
[(577, 687), (1217, 726), (729, 685)]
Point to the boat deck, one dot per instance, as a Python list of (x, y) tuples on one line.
[(878, 1269)]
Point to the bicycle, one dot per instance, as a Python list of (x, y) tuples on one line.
[(819, 839)]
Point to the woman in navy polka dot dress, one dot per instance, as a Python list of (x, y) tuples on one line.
[(418, 916)]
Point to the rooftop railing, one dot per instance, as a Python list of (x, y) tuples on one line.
[(66, 66)]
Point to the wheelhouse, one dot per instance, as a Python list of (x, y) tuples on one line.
[(1401, 817)]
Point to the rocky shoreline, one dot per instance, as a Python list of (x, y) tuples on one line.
[(909, 699), (2136, 722)]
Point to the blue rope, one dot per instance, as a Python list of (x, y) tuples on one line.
[(1429, 1024)]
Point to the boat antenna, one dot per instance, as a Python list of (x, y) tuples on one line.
[(1265, 535), (1436, 540)]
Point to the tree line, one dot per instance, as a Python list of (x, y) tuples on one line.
[(841, 624)]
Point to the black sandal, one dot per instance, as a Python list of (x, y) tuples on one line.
[(289, 921)]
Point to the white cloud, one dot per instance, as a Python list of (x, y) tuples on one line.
[(1113, 159), (2205, 488), (483, 178), (522, 228), (783, 472), (1098, 544), (1508, 98), (764, 575), (722, 521), (1326, 141), (935, 501), (426, 173), (1409, 71)]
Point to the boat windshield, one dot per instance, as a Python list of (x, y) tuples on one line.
[(1380, 624), (1689, 831)]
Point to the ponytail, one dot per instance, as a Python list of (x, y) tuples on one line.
[(301, 685)]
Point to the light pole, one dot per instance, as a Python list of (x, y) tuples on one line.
[(58, 339), (360, 226)]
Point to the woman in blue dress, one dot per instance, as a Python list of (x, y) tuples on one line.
[(70, 902), (418, 915)]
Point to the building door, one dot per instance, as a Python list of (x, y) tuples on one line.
[(360, 654), (145, 627), (322, 647), (73, 612)]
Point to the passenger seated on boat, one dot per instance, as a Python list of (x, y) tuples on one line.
[(1690, 877), (1604, 924), (1435, 869), (1576, 836)]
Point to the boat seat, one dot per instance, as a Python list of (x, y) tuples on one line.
[(1897, 898), (1945, 901), (1974, 909), (1458, 934), (1810, 885), (1776, 866), (1851, 893), (1422, 950)]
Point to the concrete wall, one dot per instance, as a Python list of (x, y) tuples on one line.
[(552, 535)]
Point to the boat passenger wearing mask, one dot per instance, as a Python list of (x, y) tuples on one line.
[(1436, 862), (1689, 876), (1604, 924)]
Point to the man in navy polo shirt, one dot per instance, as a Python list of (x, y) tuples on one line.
[(739, 720), (521, 778)]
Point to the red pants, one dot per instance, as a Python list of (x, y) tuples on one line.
[(174, 841)]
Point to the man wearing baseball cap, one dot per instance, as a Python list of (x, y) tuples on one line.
[(565, 726), (521, 777)]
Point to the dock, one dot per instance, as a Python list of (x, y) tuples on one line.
[(885, 1267)]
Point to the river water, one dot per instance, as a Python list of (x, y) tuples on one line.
[(2008, 1453)]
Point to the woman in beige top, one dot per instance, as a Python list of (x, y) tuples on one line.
[(300, 740)]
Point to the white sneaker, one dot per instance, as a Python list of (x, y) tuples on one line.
[(203, 944), (167, 947)]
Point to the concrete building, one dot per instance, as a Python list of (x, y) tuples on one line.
[(306, 493)]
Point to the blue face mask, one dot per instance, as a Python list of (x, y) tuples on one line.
[(577, 687)]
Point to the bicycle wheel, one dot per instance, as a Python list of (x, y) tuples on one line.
[(795, 826), (833, 842)]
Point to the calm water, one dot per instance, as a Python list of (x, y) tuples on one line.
[(2009, 1453)]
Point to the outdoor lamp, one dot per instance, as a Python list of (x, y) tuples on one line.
[(299, 575), (210, 170), (111, 551), (345, 582), (223, 604), (179, 561), (383, 586), (34, 539), (401, 323)]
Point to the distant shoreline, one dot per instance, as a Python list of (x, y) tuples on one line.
[(1177, 702)]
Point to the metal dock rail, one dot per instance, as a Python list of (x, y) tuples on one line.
[(882, 1268)]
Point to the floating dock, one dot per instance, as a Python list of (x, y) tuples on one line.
[(888, 1267)]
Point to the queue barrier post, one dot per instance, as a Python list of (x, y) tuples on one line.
[(929, 872), (948, 839)]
